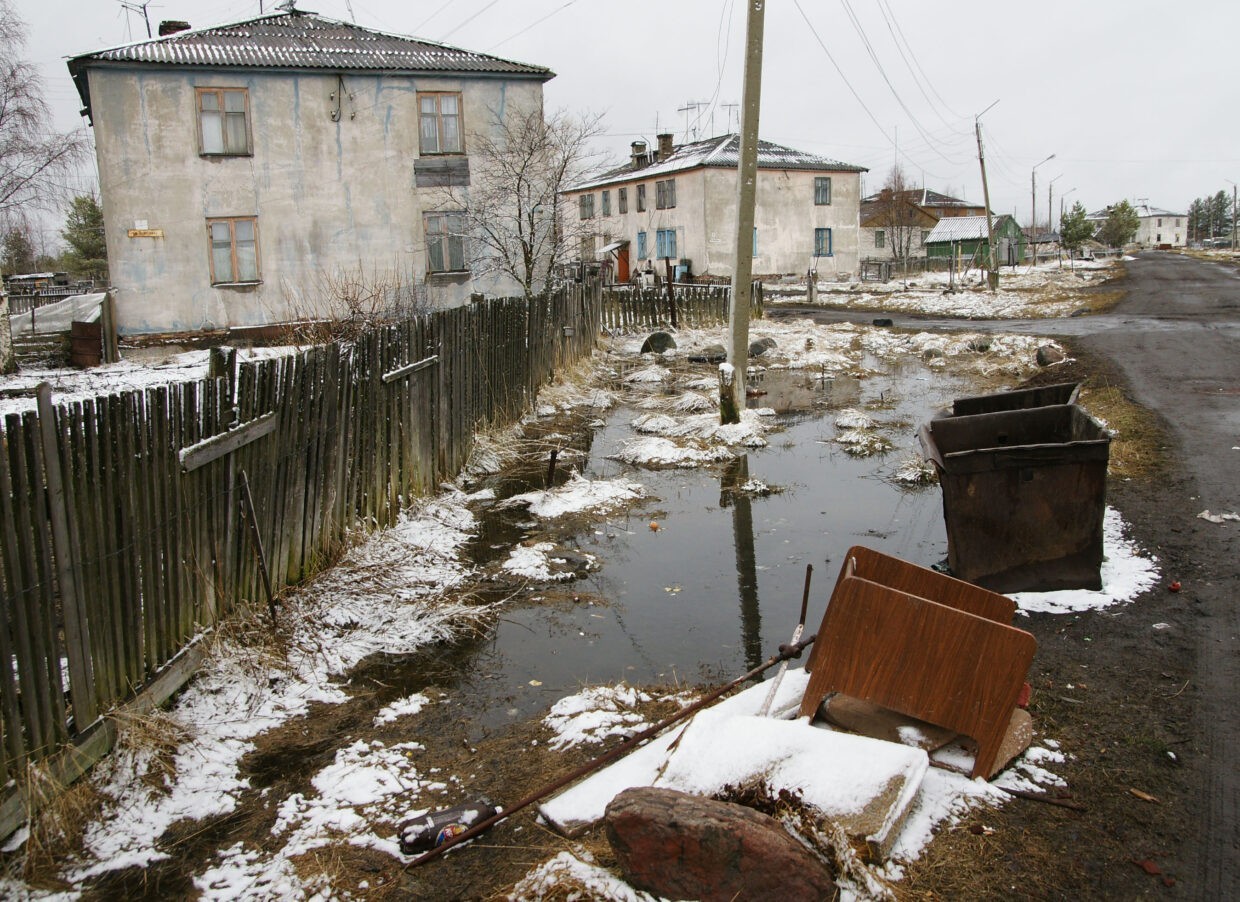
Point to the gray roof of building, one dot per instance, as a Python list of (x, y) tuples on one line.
[(924, 197), (1144, 211), (961, 228), (295, 39), (722, 152)]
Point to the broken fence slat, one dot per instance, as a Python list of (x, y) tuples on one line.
[(399, 372), (217, 446)]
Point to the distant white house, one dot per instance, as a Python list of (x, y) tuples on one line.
[(1158, 228), (679, 204)]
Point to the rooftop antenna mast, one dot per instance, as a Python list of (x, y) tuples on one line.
[(730, 107), (134, 7), (691, 106)]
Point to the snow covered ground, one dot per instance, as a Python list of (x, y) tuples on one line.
[(1046, 290)]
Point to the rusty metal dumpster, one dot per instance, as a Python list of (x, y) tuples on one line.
[(1024, 493), (1017, 399)]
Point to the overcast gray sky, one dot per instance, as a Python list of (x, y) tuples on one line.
[(1136, 99)]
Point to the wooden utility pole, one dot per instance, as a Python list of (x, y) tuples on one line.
[(992, 278), (732, 374)]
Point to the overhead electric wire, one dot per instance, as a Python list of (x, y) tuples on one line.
[(558, 9), (888, 17), (916, 62), (418, 27), (725, 12), (468, 20), (856, 23)]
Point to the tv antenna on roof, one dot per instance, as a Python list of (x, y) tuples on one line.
[(134, 7), (691, 106), (730, 107)]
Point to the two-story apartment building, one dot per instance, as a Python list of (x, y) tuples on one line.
[(248, 171), (679, 204)]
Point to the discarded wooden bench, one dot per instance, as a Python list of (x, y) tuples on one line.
[(923, 644)]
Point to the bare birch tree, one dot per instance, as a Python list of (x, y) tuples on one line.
[(897, 215), (35, 160), (513, 217)]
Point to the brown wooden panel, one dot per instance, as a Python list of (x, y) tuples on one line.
[(920, 658), (930, 584)]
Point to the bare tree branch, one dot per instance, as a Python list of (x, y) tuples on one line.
[(512, 204), (34, 159)]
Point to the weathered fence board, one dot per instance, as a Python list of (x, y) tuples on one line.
[(152, 546)]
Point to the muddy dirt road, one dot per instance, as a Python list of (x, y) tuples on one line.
[(1177, 341)]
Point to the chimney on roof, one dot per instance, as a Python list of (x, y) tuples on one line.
[(665, 145), (638, 149), (172, 26)]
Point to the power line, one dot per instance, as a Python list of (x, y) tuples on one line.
[(896, 22), (856, 23), (888, 18), (468, 20), (558, 9)]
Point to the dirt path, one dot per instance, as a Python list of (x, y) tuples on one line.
[(1176, 346)]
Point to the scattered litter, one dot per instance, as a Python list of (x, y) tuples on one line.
[(1143, 796), (1174, 586), (1162, 626)]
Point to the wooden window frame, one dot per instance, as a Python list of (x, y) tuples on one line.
[(665, 194), (880, 238), (822, 189), (447, 236), (642, 246), (438, 151), (585, 206), (605, 205), (219, 93), (622, 200), (662, 244), (824, 231), (641, 198), (234, 275)]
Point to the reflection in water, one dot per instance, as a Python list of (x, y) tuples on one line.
[(731, 494)]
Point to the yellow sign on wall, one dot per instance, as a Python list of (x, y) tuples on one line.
[(146, 233)]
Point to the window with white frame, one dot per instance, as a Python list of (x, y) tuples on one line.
[(234, 250), (445, 242), (822, 242), (439, 130), (223, 121), (822, 190)]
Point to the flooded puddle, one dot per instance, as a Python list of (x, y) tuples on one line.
[(702, 581)]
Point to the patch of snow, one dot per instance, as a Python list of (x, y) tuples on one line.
[(1125, 575), (661, 452), (594, 714), (577, 495), (578, 873), (402, 707), (534, 562)]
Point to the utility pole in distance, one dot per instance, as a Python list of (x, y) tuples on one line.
[(732, 373), (992, 278)]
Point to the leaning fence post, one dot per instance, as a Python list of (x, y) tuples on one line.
[(77, 630)]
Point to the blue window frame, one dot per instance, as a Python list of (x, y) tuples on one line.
[(755, 242), (822, 242), (665, 243), (641, 246)]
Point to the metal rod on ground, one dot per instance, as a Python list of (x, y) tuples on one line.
[(247, 504), (796, 637), (785, 653)]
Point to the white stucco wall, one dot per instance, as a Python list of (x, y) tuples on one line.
[(704, 217), (331, 197), (1156, 230)]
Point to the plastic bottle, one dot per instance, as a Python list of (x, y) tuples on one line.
[(421, 834)]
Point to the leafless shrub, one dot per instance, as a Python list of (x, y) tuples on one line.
[(345, 302)]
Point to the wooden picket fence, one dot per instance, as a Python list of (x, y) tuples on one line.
[(131, 523), (629, 308)]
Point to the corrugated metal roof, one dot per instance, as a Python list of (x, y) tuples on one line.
[(301, 40), (961, 228), (925, 197), (722, 152), (1144, 211)]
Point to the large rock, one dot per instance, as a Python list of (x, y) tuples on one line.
[(658, 342), (761, 346), (1048, 354), (709, 354), (680, 846)]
